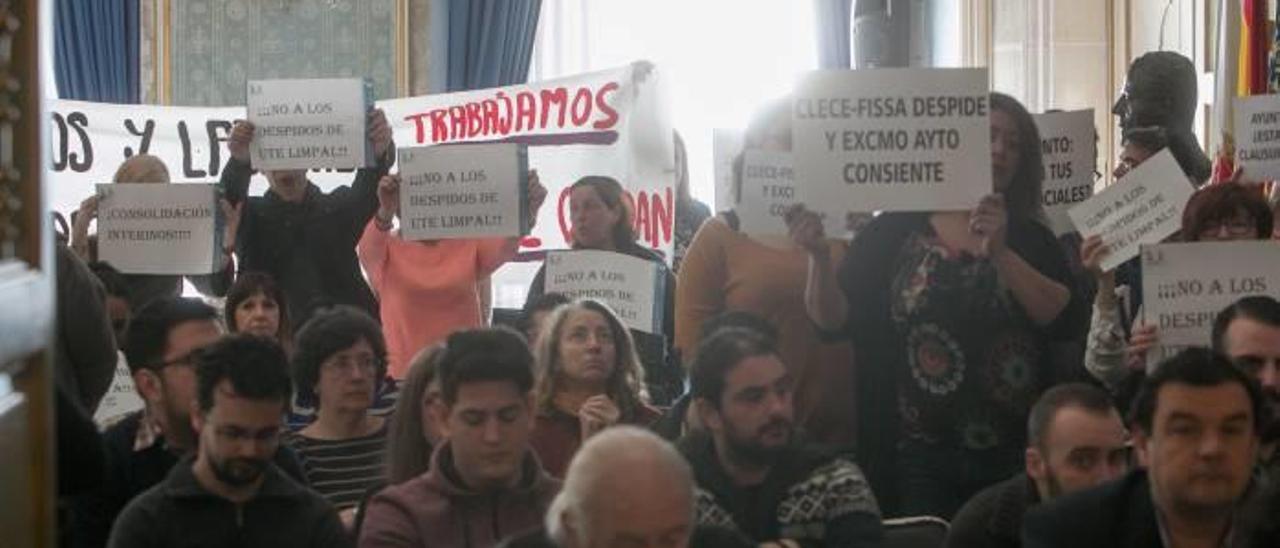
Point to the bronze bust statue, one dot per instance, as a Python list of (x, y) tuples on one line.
[(1160, 91)]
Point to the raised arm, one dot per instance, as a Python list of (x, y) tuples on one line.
[(234, 182), (824, 301), (496, 252), (1043, 298), (363, 200), (375, 242)]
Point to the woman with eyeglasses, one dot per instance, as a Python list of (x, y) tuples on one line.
[(340, 356), (1229, 211)]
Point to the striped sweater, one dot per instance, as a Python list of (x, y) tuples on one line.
[(343, 470)]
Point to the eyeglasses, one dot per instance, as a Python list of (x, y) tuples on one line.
[(1235, 227), (188, 359)]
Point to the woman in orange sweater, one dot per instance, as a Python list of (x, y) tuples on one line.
[(725, 270), (427, 289)]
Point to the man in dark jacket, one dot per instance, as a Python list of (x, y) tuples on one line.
[(302, 237), (1076, 441), (85, 354), (752, 475), (230, 493), (1197, 419), (144, 446)]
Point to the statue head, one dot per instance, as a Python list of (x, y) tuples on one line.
[(1161, 91)]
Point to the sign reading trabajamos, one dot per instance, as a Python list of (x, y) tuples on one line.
[(613, 123)]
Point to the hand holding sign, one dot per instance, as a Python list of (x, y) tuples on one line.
[(388, 199), (231, 215), (805, 228), (240, 139), (990, 221), (1092, 252), (379, 132), (1144, 338), (537, 195)]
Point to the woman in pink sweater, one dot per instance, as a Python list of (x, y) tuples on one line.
[(427, 289)]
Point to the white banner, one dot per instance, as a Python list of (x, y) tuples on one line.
[(612, 123), (1143, 207), (1258, 136), (629, 285), (157, 228), (1070, 150), (310, 123), (768, 189), (463, 191), (892, 140), (1185, 285)]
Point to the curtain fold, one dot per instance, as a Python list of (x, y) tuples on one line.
[(833, 33), (490, 42), (96, 51)]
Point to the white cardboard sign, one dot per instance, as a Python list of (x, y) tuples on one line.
[(1070, 150), (768, 189), (121, 398), (1143, 207), (464, 191), (1186, 285), (629, 285), (157, 228), (892, 140), (1258, 136), (725, 146), (310, 123)]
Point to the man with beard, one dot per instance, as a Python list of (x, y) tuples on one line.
[(1196, 421), (1248, 332), (1076, 441), (753, 476), (230, 493), (141, 449)]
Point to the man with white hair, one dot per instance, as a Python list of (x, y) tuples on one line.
[(624, 487)]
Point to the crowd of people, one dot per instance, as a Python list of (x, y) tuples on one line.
[(803, 390)]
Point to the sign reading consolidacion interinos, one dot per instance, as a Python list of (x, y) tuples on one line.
[(464, 191), (310, 123), (629, 285), (157, 228)]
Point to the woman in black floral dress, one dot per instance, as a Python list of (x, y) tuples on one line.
[(951, 314)]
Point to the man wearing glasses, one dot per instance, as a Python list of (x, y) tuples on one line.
[(229, 493), (144, 446)]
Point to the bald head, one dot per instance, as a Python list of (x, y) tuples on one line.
[(624, 485)]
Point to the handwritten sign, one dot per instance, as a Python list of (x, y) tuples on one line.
[(629, 285), (1258, 136), (464, 191), (157, 228), (310, 123), (768, 189), (1070, 149), (120, 400), (892, 140), (1185, 285), (1143, 207)]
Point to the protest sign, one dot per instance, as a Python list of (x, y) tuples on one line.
[(612, 122), (725, 146), (631, 286), (1257, 136), (1186, 285), (768, 189), (157, 228), (1143, 207), (1069, 145), (464, 191), (121, 398), (892, 140), (310, 123)]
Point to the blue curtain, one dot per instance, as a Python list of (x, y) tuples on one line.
[(490, 42), (95, 51), (833, 18)]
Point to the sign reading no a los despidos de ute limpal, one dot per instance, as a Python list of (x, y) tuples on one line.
[(1070, 150), (158, 228), (464, 191), (310, 123), (629, 285), (893, 139)]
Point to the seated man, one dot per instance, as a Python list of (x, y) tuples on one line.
[(1248, 332), (1197, 419), (144, 446), (230, 494), (1075, 441), (753, 476), (304, 238), (484, 482)]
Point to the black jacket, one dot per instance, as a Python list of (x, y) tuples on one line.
[(993, 517), (84, 354), (128, 474), (809, 496), (309, 247), (1119, 514), (180, 512)]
